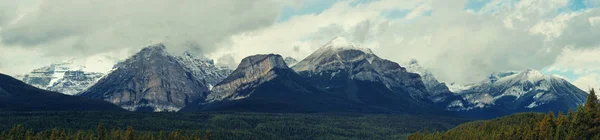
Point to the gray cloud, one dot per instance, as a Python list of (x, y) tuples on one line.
[(580, 32), (86, 27)]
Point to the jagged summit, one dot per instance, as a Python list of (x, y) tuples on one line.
[(337, 53), (158, 46), (341, 43), (253, 70), (151, 80), (413, 62), (290, 61), (269, 61)]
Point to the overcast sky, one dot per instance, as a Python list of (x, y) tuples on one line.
[(458, 40)]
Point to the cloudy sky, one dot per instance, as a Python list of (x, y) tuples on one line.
[(458, 40)]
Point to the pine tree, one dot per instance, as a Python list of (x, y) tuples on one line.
[(161, 135), (207, 135), (547, 126), (591, 104), (79, 135), (116, 134), (4, 135), (90, 135), (55, 134), (130, 134), (101, 132), (29, 134)]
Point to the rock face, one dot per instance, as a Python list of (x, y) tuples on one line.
[(344, 69), (528, 90), (151, 80), (290, 61), (264, 83), (18, 96), (438, 92), (204, 70), (66, 77)]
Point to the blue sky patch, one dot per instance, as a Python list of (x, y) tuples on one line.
[(308, 7), (395, 13)]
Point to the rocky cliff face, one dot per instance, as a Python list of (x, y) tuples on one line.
[(438, 92), (290, 61), (251, 72), (151, 80), (204, 69)]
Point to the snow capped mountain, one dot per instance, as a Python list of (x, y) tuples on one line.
[(204, 69), (356, 73), (290, 61), (264, 83), (529, 90), (154, 80), (67, 77)]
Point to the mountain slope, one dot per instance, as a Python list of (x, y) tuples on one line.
[(438, 92), (204, 69), (357, 74), (528, 90), (151, 80), (18, 96), (264, 83)]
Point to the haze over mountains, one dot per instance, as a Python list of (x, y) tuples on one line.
[(338, 77)]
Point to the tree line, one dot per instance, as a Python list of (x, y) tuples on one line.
[(581, 124), (19, 132)]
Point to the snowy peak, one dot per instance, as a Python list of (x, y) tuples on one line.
[(341, 43), (290, 61), (153, 49), (338, 53), (65, 77)]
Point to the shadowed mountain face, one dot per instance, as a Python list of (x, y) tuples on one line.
[(18, 96), (264, 83), (357, 74), (151, 80)]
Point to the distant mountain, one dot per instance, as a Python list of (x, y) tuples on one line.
[(528, 90), (204, 70), (264, 83), (438, 92), (66, 77), (347, 70), (154, 80), (18, 96), (290, 61)]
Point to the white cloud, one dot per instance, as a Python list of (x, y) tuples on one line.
[(456, 44), (580, 61), (587, 82)]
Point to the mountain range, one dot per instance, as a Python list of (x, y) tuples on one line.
[(341, 76)]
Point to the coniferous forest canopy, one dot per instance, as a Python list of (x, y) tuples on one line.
[(580, 124), (117, 125)]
